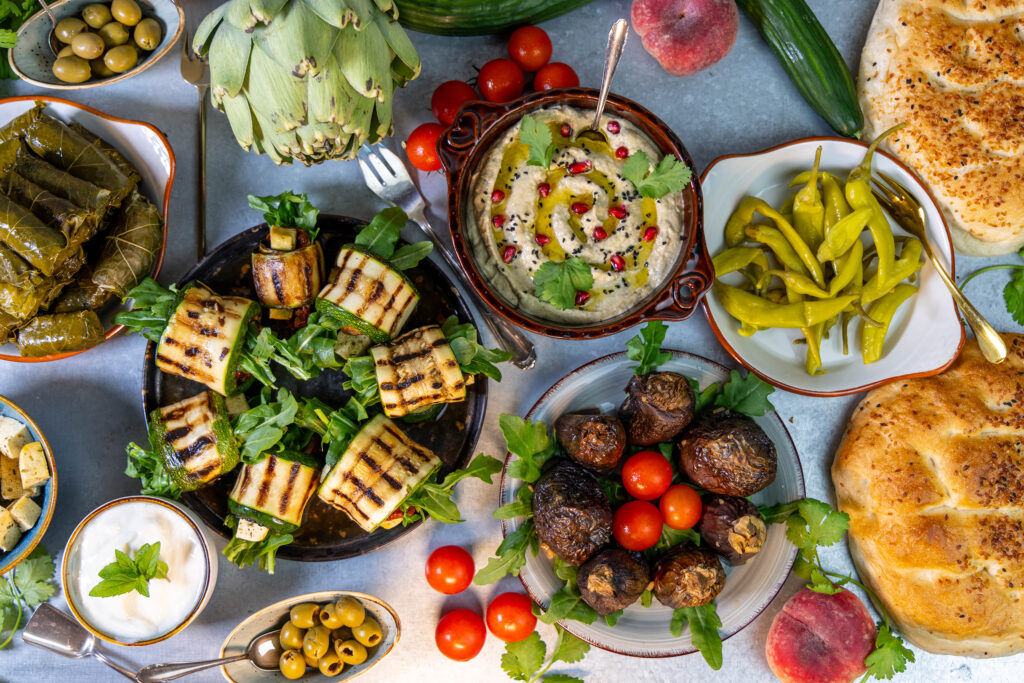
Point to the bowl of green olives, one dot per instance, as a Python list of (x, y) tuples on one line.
[(333, 634), (95, 42)]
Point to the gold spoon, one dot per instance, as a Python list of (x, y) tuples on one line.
[(612, 53)]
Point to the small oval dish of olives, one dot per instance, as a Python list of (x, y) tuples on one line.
[(96, 42), (331, 634)]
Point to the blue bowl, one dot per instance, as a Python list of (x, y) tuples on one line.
[(32, 537)]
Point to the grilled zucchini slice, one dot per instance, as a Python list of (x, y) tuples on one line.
[(416, 371), (288, 279), (194, 440), (204, 336), (378, 470), (367, 294), (274, 492)]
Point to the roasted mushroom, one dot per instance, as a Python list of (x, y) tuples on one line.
[(658, 407), (728, 453), (688, 576), (594, 441), (732, 527), (571, 513), (613, 580)]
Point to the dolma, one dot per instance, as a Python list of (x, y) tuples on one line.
[(131, 247), (112, 152), (33, 240), (81, 295), (77, 224), (14, 270), (8, 323), (62, 183), (19, 124), (8, 155), (60, 332)]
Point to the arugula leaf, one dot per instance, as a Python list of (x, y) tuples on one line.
[(613, 618), (537, 136), (522, 507), (287, 210), (148, 467), (381, 234), (435, 500), (362, 379), (567, 603), (890, 655), (471, 356), (243, 553), (747, 395), (645, 348), (646, 598), (510, 556), (672, 537), (704, 397), (670, 175), (125, 575), (613, 488), (529, 441), (1013, 295), (409, 255), (334, 427), (557, 283), (8, 38), (524, 658), (152, 306), (704, 624), (25, 587), (260, 429)]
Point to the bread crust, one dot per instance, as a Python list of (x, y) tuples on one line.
[(953, 70), (931, 472)]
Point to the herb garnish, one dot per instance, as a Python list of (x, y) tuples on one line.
[(1013, 292), (557, 283), (263, 553), (537, 137), (381, 235), (704, 624), (524, 660), (645, 348), (670, 175), (148, 468), (125, 575), (287, 210), (434, 500), (26, 586)]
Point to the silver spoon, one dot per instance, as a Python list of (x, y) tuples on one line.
[(612, 52), (55, 44), (58, 632), (264, 652)]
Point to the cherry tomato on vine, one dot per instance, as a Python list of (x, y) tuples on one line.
[(421, 147), (680, 507), (500, 80), (510, 617), (529, 47), (460, 635), (637, 525), (448, 98), (449, 569), (646, 475), (555, 75)]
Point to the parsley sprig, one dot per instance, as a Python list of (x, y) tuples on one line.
[(670, 175), (1013, 292), (557, 282), (125, 574), (23, 588), (525, 660), (537, 137)]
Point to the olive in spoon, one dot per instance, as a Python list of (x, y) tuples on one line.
[(264, 652), (612, 53)]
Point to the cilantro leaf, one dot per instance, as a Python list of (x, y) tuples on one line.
[(645, 348), (529, 441), (287, 210), (33, 578), (510, 556), (747, 395), (636, 167), (560, 678), (704, 624), (569, 648), (557, 283), (670, 175), (381, 235), (890, 655), (536, 136), (524, 658), (1013, 295), (816, 524), (125, 574)]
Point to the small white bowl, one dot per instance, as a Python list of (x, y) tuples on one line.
[(924, 338), (71, 562)]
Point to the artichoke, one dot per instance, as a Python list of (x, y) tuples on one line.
[(306, 80)]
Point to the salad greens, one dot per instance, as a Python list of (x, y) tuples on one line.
[(288, 210)]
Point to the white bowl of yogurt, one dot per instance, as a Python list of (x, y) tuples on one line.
[(127, 524)]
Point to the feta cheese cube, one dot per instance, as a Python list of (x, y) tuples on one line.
[(250, 531), (25, 512), (13, 435), (10, 534), (32, 465)]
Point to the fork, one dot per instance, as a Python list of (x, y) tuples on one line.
[(387, 177), (195, 71), (908, 212)]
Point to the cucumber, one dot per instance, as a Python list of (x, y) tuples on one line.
[(811, 60), (474, 18), (194, 440), (274, 491)]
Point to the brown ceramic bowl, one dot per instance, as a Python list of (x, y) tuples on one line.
[(464, 146)]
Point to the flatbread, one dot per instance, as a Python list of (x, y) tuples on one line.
[(953, 70)]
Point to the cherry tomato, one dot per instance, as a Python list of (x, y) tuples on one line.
[(637, 525), (646, 475), (450, 569), (680, 507), (448, 98), (555, 75), (510, 617), (460, 635), (529, 47), (500, 80), (421, 147)]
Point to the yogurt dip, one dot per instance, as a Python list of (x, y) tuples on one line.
[(131, 617)]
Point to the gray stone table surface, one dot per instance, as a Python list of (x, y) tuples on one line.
[(89, 406)]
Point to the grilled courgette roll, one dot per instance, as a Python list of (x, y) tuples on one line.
[(416, 371), (272, 494), (204, 336), (194, 440), (380, 468), (367, 294), (287, 278)]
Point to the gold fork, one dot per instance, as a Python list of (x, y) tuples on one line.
[(908, 212)]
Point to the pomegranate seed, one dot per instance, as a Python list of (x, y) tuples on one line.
[(544, 189), (577, 167), (614, 127), (497, 196), (508, 254), (580, 207), (618, 263), (565, 130), (617, 211), (622, 152), (600, 234), (498, 220), (650, 233), (543, 239), (582, 297)]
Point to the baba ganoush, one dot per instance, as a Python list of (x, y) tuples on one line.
[(581, 205)]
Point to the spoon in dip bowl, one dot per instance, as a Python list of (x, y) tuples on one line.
[(612, 52), (264, 652)]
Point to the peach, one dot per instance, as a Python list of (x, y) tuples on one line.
[(686, 36), (819, 638)]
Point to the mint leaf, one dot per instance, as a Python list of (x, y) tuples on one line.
[(645, 348), (557, 283), (381, 235), (747, 395), (125, 574), (536, 136)]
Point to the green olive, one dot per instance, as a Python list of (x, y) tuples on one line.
[(304, 615), (147, 34), (350, 610), (343, 633), (66, 29), (311, 662), (113, 34), (96, 15), (368, 633), (291, 636), (292, 664), (350, 651), (127, 12), (87, 45), (316, 642), (66, 51), (99, 68), (330, 616), (72, 69), (121, 58), (330, 665)]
